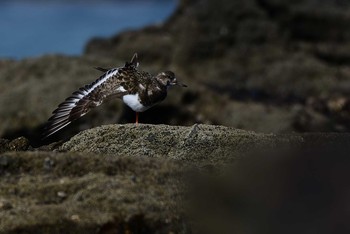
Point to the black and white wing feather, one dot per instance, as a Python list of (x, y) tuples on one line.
[(83, 100), (90, 96)]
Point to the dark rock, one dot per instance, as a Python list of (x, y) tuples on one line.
[(49, 163), (279, 191), (88, 192), (5, 205), (4, 161), (19, 144), (4, 145), (163, 179)]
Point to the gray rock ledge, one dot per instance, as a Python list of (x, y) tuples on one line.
[(197, 143)]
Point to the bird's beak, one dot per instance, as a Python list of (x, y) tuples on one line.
[(179, 84)]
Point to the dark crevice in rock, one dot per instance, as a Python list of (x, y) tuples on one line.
[(274, 11), (138, 224), (334, 59), (35, 136)]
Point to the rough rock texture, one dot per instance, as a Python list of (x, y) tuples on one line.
[(115, 178), (18, 144), (164, 179), (200, 144), (43, 192)]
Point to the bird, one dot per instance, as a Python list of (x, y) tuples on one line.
[(138, 89)]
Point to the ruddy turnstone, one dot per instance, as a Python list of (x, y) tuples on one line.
[(138, 89)]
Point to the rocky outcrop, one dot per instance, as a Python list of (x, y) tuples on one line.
[(115, 178), (43, 192), (201, 144), (163, 179)]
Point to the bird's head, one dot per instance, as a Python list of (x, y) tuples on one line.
[(168, 79)]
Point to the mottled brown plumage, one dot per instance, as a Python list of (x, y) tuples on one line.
[(139, 90)]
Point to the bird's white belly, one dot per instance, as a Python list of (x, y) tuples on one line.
[(133, 101)]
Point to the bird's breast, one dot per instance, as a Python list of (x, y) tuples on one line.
[(133, 101)]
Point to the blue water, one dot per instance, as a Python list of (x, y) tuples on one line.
[(34, 29)]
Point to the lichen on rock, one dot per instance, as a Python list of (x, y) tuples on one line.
[(198, 143)]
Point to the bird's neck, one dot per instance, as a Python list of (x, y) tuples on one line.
[(161, 86)]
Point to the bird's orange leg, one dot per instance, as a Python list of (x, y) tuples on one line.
[(137, 118)]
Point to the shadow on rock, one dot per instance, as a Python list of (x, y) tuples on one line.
[(276, 192)]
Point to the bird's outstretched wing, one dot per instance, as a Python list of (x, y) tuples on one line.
[(83, 100), (110, 84)]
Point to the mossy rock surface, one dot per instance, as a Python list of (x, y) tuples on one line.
[(128, 178), (113, 178), (201, 144), (43, 192)]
